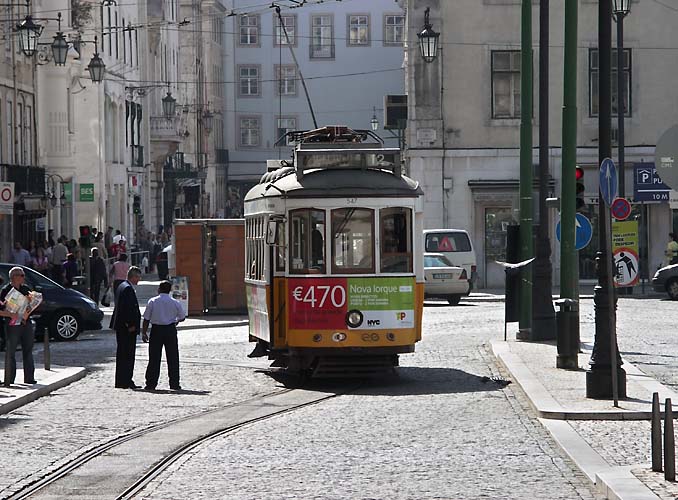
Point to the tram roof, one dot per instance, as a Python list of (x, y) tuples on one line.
[(334, 183)]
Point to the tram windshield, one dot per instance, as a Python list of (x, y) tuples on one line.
[(353, 240)]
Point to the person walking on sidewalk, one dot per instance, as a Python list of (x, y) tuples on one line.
[(126, 322), (118, 272), (163, 312), (19, 330), (671, 252), (98, 274)]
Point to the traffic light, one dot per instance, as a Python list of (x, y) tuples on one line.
[(136, 205), (85, 236), (579, 176)]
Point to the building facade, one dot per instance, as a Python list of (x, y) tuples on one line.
[(350, 55), (464, 119)]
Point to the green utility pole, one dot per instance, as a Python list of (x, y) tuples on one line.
[(569, 276), (526, 236)]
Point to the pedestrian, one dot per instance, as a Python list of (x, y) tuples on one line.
[(59, 255), (70, 270), (118, 272), (40, 262), (126, 322), (19, 329), (32, 248), (99, 244), (108, 240), (671, 252), (20, 255), (98, 275), (163, 312)]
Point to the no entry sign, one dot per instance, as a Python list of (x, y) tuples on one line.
[(620, 208), (6, 197)]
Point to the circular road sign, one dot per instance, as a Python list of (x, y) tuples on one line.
[(6, 194), (583, 231), (620, 208), (626, 267), (666, 157)]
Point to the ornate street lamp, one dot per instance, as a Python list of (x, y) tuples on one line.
[(621, 8), (169, 105), (374, 122), (29, 33), (96, 67), (59, 49), (207, 121), (428, 40)]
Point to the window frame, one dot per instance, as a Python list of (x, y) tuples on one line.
[(513, 115), (257, 68), (335, 270), (312, 46), (594, 70), (241, 118), (408, 212), (277, 128), (349, 28), (278, 35), (293, 243), (256, 27), (278, 69), (385, 39)]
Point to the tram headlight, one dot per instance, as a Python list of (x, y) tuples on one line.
[(354, 318), (338, 336)]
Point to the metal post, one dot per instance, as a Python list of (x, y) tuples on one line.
[(526, 238), (620, 102), (669, 443), (569, 279), (47, 356), (656, 434), (599, 378), (8, 360), (543, 319)]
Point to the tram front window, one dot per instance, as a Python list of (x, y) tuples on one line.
[(307, 242), (396, 240), (353, 240)]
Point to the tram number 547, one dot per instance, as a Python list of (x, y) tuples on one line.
[(317, 295)]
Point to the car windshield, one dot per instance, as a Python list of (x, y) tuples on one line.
[(38, 280), (436, 261)]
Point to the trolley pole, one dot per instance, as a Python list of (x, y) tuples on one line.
[(526, 237)]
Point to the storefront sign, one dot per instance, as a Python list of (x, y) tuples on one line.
[(625, 253), (68, 191), (86, 192), (324, 303)]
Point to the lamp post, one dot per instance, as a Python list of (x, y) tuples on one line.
[(29, 34), (96, 66), (374, 123), (428, 39), (599, 380), (169, 106), (620, 9)]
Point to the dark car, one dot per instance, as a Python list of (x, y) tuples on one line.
[(64, 312), (666, 280)]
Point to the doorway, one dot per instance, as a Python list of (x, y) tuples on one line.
[(497, 220)]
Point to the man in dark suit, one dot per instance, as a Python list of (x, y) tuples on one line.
[(126, 322)]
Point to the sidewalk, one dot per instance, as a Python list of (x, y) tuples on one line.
[(19, 394), (610, 445)]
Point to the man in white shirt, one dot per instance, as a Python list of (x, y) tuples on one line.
[(163, 312)]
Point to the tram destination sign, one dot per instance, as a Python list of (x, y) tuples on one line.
[(388, 158)]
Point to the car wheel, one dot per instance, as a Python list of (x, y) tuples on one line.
[(672, 289), (65, 325), (453, 299)]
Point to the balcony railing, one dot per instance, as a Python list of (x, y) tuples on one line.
[(163, 129), (321, 51), (137, 156)]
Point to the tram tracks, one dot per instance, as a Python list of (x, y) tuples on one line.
[(124, 466)]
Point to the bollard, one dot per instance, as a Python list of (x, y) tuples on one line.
[(656, 434), (567, 334), (7, 361), (47, 357), (669, 443)]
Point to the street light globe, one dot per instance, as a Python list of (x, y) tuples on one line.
[(621, 7), (169, 105), (428, 40), (29, 33), (96, 68), (59, 49), (374, 123)]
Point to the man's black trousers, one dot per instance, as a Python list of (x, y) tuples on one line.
[(163, 336), (124, 358)]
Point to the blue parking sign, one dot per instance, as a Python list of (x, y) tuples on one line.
[(647, 185)]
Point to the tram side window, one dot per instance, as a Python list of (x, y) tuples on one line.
[(353, 240), (396, 240), (307, 242), (280, 248), (256, 244)]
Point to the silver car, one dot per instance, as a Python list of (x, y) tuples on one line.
[(443, 280), (666, 280)]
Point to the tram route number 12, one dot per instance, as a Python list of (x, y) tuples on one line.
[(317, 295)]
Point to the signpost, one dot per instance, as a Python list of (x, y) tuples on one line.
[(609, 182), (647, 185), (6, 198), (625, 253), (620, 208), (583, 231)]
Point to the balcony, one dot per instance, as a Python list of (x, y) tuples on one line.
[(321, 51), (137, 156), (163, 129)]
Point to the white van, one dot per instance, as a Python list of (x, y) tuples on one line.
[(456, 245)]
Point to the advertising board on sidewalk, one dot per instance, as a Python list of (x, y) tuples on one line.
[(180, 291), (626, 261)]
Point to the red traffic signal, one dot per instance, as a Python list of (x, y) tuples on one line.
[(84, 231), (579, 173)]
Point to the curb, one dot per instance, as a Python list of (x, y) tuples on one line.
[(190, 327), (76, 373)]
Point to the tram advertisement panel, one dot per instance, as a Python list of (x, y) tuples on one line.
[(323, 303)]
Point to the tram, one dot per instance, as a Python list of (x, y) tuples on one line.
[(334, 269)]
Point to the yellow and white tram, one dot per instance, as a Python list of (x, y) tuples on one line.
[(334, 267)]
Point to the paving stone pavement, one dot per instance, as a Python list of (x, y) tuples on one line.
[(442, 430)]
